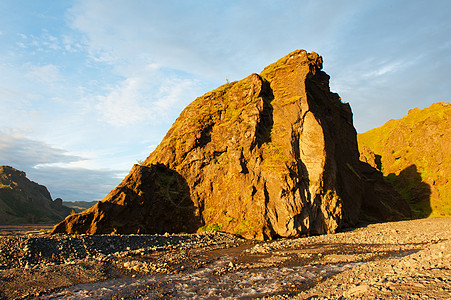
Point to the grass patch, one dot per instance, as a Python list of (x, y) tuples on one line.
[(210, 227)]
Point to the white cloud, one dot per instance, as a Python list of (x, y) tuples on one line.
[(147, 95), (46, 74), (123, 105), (172, 95), (11, 95), (137, 99), (45, 42), (71, 44)]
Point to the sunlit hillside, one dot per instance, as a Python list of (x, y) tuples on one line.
[(415, 154)]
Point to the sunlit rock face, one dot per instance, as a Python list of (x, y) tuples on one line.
[(274, 154)]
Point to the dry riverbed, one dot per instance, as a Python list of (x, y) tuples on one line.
[(398, 260)]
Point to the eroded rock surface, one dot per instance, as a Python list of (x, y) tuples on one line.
[(274, 154)]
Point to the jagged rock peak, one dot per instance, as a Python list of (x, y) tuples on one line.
[(24, 201), (17, 180), (274, 154), (297, 57)]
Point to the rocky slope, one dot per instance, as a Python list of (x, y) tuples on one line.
[(274, 154), (414, 153), (24, 201)]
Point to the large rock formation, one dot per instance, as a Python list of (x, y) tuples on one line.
[(24, 201), (274, 154), (414, 153)]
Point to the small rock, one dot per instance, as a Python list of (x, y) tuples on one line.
[(357, 290)]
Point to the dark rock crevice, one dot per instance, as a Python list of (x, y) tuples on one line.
[(266, 122)]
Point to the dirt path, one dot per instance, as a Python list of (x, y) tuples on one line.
[(399, 260)]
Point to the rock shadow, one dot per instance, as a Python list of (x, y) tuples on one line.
[(150, 200), (412, 188), (266, 115)]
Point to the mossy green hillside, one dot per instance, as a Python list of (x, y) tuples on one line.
[(416, 157)]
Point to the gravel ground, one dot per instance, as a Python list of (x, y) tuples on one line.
[(424, 273), (34, 264), (397, 260)]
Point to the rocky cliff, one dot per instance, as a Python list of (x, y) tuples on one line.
[(274, 154), (414, 154), (25, 201)]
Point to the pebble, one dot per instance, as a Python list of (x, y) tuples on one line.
[(359, 289)]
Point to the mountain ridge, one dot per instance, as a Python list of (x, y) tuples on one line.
[(25, 201)]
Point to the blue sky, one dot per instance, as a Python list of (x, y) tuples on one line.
[(88, 88)]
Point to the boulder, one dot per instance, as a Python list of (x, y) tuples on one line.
[(274, 154)]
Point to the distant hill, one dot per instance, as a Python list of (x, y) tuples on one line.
[(79, 206), (25, 202), (414, 153)]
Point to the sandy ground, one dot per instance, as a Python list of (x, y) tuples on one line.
[(398, 260)]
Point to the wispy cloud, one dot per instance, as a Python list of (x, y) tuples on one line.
[(70, 44), (381, 70), (213, 40), (45, 42), (123, 104), (147, 95), (172, 95), (47, 73)]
